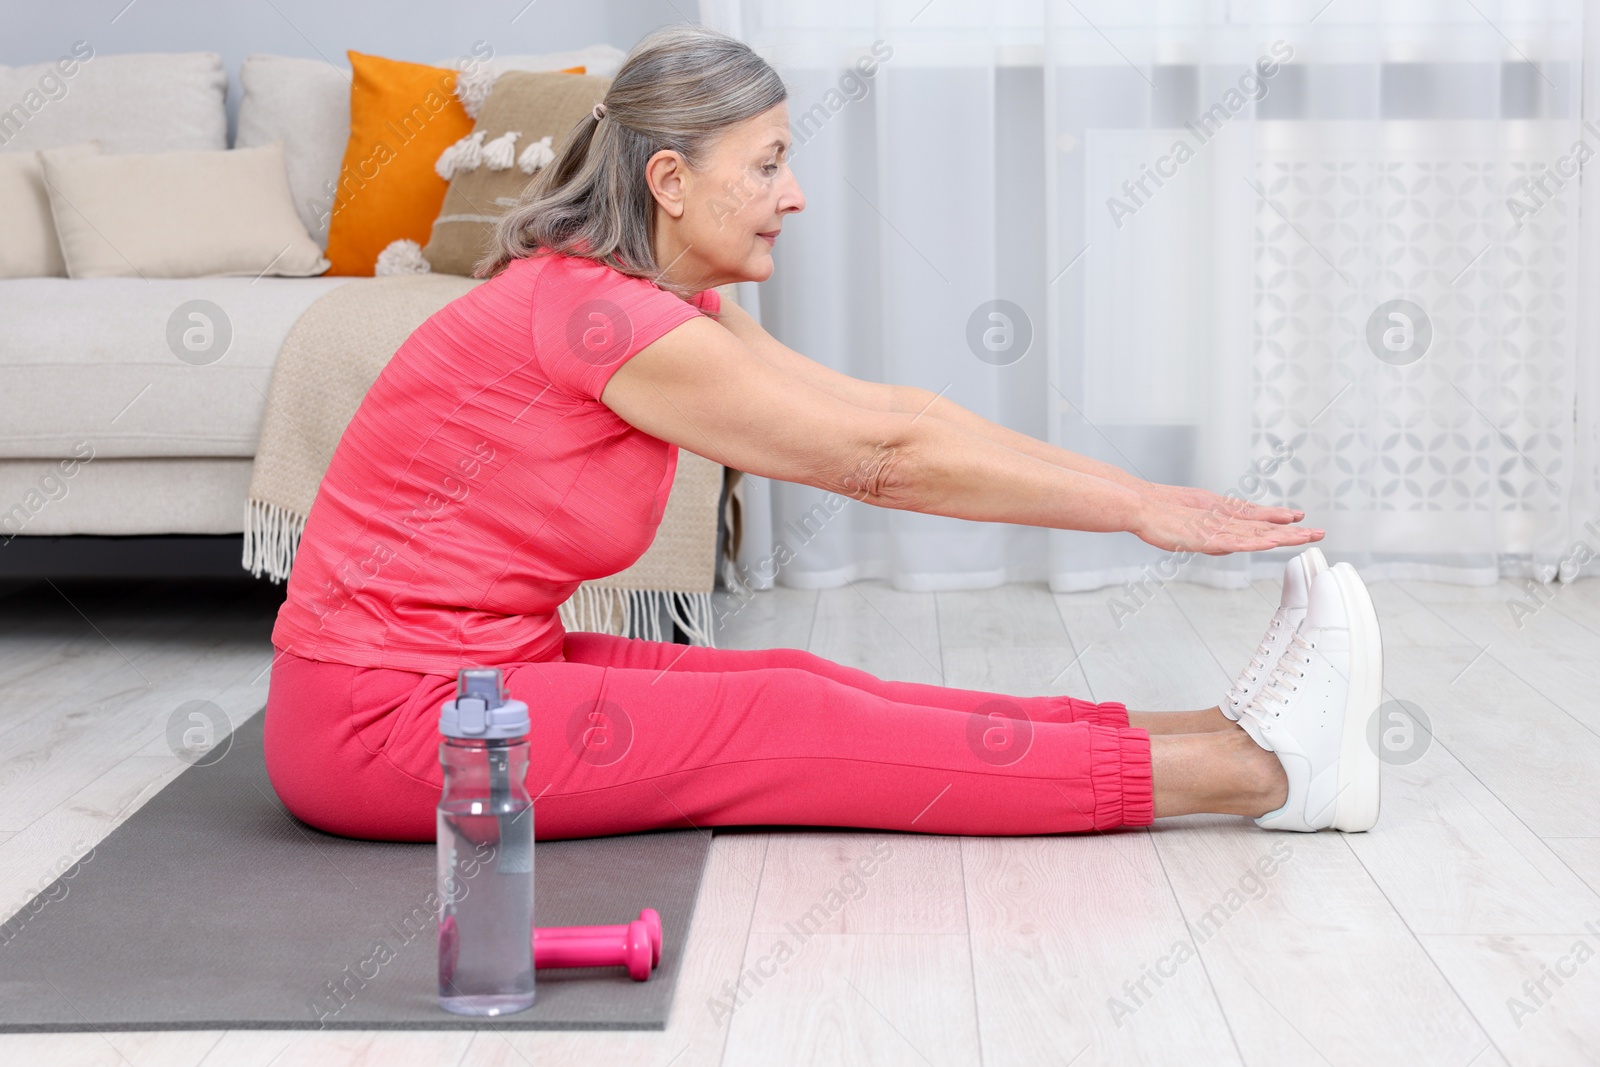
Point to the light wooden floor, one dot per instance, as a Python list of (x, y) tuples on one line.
[(1407, 945)]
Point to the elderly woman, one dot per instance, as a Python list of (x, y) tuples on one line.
[(524, 439)]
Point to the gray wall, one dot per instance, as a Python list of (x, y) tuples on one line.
[(422, 31)]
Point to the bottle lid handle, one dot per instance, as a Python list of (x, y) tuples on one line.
[(483, 683), (482, 707)]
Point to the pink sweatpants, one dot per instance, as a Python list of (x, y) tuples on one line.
[(635, 735)]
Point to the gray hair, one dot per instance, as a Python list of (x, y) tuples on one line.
[(679, 89)]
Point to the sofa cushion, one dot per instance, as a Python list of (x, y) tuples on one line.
[(153, 102), (177, 214), (166, 367), (305, 103), (110, 497), (28, 244)]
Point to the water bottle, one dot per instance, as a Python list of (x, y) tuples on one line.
[(485, 841)]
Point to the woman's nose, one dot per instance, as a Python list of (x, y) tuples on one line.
[(791, 198)]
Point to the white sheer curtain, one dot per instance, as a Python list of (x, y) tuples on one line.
[(1199, 217)]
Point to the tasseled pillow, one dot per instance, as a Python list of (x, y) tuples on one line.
[(521, 128)]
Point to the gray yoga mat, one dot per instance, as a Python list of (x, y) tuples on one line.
[(212, 908)]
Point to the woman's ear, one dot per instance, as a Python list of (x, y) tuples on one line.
[(667, 175)]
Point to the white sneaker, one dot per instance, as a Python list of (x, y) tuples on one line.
[(1298, 575), (1313, 711)]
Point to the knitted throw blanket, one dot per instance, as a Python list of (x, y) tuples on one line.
[(330, 359)]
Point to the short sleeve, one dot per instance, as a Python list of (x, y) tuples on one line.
[(589, 319), (709, 301)]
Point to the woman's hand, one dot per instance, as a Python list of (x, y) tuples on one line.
[(1206, 500), (1181, 519)]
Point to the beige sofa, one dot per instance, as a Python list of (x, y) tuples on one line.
[(106, 428)]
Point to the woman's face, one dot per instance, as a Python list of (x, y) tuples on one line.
[(718, 224)]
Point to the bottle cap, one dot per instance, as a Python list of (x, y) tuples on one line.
[(482, 711)]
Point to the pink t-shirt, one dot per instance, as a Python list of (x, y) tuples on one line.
[(482, 479)]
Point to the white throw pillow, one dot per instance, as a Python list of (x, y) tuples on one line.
[(305, 103), (134, 103), (178, 215), (28, 244)]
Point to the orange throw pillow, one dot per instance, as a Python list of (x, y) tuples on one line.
[(402, 118)]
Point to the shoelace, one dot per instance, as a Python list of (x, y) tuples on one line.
[(1258, 662), (1274, 696)]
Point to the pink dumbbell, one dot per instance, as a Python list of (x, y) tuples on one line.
[(630, 948), (649, 916)]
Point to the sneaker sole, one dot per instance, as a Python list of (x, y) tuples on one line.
[(1356, 809)]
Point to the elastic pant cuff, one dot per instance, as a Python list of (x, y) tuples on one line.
[(1107, 713), (1123, 789)]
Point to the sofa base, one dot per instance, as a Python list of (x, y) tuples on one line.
[(178, 556)]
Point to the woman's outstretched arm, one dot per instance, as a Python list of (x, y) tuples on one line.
[(701, 387), (910, 399)]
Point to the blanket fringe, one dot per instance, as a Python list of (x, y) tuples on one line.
[(692, 613), (271, 536), (640, 613)]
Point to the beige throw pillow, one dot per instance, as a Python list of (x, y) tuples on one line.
[(522, 126), (178, 215), (28, 244)]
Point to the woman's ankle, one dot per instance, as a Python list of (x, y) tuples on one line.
[(1205, 721), (1264, 786), (1220, 772)]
